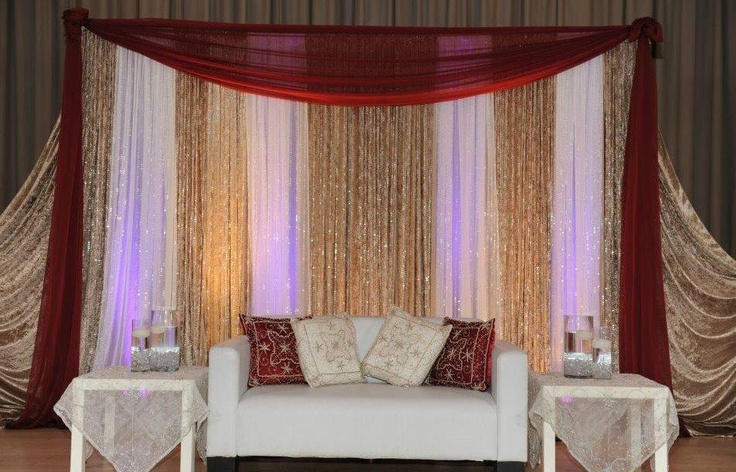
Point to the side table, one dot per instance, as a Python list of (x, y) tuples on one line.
[(134, 419), (607, 425)]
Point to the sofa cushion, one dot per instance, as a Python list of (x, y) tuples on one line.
[(466, 360), (404, 349), (367, 421), (327, 349), (273, 354)]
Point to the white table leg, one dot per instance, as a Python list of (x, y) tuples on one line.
[(77, 460), (548, 448), (660, 428), (635, 430), (186, 463), (660, 459), (109, 425)]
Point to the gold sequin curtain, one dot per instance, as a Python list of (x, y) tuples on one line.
[(24, 234), (618, 74), (98, 88), (212, 214), (700, 295), (371, 180), (525, 131)]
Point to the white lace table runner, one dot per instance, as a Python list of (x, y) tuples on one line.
[(134, 419), (608, 425)]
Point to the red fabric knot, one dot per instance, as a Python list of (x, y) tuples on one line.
[(74, 19), (646, 27)]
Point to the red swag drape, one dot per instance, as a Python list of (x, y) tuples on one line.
[(347, 65)]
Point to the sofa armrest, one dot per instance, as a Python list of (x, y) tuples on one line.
[(228, 380), (509, 389)]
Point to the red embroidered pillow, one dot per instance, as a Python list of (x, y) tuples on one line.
[(465, 361), (273, 355)]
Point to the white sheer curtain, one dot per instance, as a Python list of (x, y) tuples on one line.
[(140, 252), (277, 181), (465, 227), (577, 200)]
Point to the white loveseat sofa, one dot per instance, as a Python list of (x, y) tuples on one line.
[(367, 421)]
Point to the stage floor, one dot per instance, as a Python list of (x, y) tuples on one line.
[(47, 450)]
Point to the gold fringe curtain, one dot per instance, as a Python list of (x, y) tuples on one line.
[(98, 89), (212, 214), (618, 74), (371, 181), (525, 130), (700, 293), (24, 234)]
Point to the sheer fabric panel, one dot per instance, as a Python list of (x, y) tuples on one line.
[(141, 239), (277, 223), (577, 207), (466, 246)]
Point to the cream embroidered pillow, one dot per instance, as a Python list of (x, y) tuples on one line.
[(405, 349), (328, 352)]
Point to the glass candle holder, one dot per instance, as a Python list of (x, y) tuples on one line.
[(140, 335), (602, 354), (164, 341), (578, 355)]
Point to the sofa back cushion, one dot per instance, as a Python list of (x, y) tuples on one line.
[(405, 349), (273, 353), (328, 353), (465, 361)]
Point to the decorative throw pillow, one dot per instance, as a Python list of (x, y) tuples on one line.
[(404, 349), (465, 361), (273, 356), (328, 351)]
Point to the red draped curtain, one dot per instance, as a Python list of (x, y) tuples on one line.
[(357, 66)]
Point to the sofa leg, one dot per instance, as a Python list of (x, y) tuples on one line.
[(222, 464), (508, 466)]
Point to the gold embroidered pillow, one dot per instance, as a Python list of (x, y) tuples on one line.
[(328, 351), (405, 349)]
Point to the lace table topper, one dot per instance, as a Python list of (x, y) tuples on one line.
[(608, 425), (134, 419)]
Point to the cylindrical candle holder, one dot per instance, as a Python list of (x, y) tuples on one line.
[(164, 341), (578, 355), (140, 334), (602, 355)]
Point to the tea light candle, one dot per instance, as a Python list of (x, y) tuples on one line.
[(602, 344), (141, 333), (158, 329), (583, 335)]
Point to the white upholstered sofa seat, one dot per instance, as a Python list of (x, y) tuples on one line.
[(367, 421)]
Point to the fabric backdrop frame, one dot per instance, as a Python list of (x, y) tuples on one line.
[(385, 76)]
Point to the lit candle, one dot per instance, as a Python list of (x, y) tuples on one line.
[(583, 335), (602, 344), (158, 329), (141, 333)]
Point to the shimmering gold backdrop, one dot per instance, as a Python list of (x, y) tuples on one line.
[(24, 234), (371, 182), (525, 129), (700, 293), (618, 73), (212, 244), (98, 88)]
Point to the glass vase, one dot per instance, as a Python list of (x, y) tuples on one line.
[(140, 336), (578, 355), (164, 341)]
